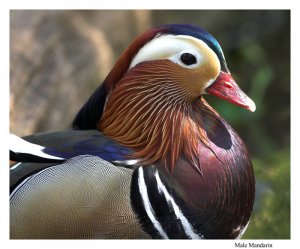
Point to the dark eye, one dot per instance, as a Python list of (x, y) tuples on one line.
[(188, 59)]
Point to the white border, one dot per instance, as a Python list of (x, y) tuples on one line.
[(6, 5), (147, 4)]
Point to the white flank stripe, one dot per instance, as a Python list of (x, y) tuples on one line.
[(28, 179), (15, 166), (185, 223), (18, 187), (147, 204), (242, 230), (127, 162), (19, 145)]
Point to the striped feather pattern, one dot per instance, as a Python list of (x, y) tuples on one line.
[(151, 113)]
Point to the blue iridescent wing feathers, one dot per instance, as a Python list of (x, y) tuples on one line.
[(68, 144)]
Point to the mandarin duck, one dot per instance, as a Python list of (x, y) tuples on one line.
[(147, 156)]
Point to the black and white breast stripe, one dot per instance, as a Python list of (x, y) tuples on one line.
[(158, 208)]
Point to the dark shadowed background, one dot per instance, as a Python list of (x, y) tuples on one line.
[(58, 58)]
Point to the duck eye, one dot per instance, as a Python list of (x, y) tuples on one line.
[(188, 59)]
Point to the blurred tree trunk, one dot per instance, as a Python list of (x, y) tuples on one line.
[(58, 58)]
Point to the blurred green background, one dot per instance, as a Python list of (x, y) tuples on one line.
[(58, 58)]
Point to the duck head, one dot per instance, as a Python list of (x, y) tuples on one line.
[(151, 101)]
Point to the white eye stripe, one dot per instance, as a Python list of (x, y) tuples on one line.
[(170, 47)]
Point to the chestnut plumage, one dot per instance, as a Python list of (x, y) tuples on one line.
[(173, 167)]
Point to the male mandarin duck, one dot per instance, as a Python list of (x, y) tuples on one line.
[(147, 157)]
